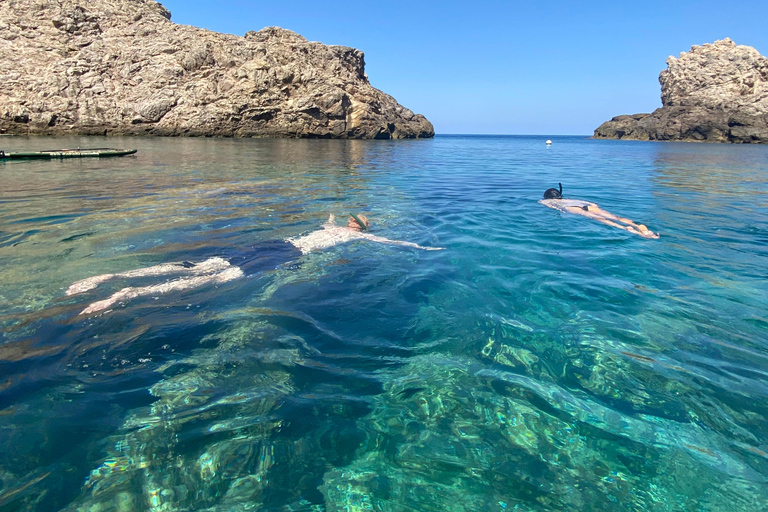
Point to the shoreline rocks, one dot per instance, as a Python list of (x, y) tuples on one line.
[(713, 93), (121, 67)]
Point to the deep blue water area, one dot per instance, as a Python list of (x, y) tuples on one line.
[(542, 361)]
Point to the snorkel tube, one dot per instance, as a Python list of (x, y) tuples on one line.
[(359, 222), (561, 189)]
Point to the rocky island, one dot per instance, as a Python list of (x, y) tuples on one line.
[(121, 67), (714, 93)]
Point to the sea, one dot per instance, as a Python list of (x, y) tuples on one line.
[(540, 361)]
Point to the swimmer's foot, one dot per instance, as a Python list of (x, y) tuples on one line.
[(643, 231), (87, 284)]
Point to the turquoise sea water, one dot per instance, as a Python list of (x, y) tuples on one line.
[(541, 362)]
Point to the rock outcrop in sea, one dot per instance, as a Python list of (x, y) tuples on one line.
[(714, 93), (122, 67)]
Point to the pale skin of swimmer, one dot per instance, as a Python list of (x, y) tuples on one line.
[(593, 211), (218, 270)]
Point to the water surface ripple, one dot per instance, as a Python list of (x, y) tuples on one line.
[(541, 362)]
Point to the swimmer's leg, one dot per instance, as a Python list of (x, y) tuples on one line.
[(87, 284), (210, 265), (610, 216), (635, 229), (129, 293), (596, 213)]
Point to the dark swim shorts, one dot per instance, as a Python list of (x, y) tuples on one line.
[(265, 256)]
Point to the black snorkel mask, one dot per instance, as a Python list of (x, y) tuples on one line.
[(359, 222), (553, 193)]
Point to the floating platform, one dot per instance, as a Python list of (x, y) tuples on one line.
[(65, 153)]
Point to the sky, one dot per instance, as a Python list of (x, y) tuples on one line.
[(492, 67)]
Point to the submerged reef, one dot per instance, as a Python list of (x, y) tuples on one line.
[(713, 93), (121, 67), (234, 428)]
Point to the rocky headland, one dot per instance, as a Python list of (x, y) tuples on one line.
[(121, 67), (714, 93)]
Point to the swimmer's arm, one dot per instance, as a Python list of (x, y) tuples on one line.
[(382, 240)]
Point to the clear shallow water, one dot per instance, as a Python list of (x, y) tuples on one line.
[(541, 362)]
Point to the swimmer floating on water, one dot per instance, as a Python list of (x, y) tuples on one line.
[(216, 270), (554, 199)]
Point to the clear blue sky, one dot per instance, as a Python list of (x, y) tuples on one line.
[(551, 68)]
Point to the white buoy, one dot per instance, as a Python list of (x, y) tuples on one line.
[(549, 142)]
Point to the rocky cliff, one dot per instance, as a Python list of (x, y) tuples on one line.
[(716, 93), (122, 67)]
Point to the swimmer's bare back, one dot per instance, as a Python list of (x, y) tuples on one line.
[(331, 235)]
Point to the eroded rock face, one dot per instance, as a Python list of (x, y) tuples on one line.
[(715, 93), (122, 67)]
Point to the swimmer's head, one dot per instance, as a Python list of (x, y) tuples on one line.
[(553, 193), (358, 222)]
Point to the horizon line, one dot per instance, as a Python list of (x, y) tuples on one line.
[(520, 134)]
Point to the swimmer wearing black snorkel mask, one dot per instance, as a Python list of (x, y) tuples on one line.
[(553, 198), (553, 193)]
